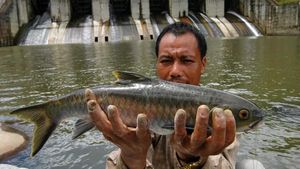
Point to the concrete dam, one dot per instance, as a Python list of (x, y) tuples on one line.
[(30, 22)]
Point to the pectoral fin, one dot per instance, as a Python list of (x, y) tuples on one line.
[(82, 126)]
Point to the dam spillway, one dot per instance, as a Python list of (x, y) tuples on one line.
[(93, 21)]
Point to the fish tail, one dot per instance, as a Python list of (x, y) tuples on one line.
[(44, 124)]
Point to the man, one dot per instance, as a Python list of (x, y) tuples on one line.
[(181, 58)]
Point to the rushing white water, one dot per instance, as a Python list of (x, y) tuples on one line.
[(248, 24), (80, 31), (221, 26), (37, 33), (212, 25), (169, 18), (155, 27), (43, 31), (229, 26), (197, 23)]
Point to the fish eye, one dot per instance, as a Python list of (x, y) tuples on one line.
[(244, 114)]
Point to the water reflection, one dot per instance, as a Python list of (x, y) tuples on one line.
[(263, 70)]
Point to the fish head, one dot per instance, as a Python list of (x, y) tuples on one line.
[(247, 115)]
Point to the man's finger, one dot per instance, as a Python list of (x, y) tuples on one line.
[(89, 95), (230, 127), (117, 124), (91, 104), (200, 131), (219, 130), (142, 126), (180, 121), (98, 116)]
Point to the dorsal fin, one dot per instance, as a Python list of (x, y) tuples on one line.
[(124, 77)]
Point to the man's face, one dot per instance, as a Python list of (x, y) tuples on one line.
[(179, 59)]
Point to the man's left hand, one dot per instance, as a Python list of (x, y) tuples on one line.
[(190, 147)]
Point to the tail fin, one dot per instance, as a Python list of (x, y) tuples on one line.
[(44, 124)]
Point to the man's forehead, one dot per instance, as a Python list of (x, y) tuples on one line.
[(185, 35), (172, 40)]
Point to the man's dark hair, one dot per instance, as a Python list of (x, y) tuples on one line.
[(180, 28)]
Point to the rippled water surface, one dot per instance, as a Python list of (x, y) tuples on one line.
[(264, 70)]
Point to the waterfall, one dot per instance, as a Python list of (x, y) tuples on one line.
[(37, 31), (155, 27), (229, 26), (216, 31), (249, 25), (197, 23), (221, 26), (79, 31), (115, 33), (169, 18)]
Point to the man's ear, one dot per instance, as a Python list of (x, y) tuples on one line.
[(203, 61)]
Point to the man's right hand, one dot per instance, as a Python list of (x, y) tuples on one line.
[(133, 142)]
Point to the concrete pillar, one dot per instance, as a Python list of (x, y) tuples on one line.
[(22, 12), (60, 10), (178, 8), (96, 10), (215, 8), (104, 5), (145, 9), (13, 19), (140, 9), (100, 10), (135, 8), (184, 6)]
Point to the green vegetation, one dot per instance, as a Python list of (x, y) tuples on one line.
[(282, 2)]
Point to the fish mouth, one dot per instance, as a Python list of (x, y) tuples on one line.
[(255, 124)]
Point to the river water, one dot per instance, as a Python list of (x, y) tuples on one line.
[(264, 70)]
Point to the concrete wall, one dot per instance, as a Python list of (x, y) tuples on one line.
[(60, 10), (135, 8), (23, 11), (178, 8), (5, 35), (140, 9), (100, 9), (215, 8), (9, 22), (145, 9), (271, 18)]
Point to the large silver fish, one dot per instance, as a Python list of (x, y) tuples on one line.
[(134, 94)]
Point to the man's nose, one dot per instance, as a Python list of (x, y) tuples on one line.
[(176, 70)]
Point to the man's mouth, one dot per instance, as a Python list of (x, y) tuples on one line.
[(177, 80)]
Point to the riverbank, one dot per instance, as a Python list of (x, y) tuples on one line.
[(12, 141)]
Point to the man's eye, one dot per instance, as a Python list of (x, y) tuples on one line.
[(166, 61), (187, 61)]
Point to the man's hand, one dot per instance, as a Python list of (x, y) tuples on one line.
[(133, 142), (190, 147)]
